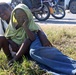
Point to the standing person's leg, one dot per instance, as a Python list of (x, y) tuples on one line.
[(36, 3), (28, 3)]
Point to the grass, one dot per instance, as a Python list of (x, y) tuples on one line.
[(62, 37)]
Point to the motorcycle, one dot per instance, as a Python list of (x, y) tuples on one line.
[(50, 7), (42, 13), (46, 8), (58, 11)]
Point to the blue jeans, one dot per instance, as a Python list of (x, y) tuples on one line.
[(57, 63)]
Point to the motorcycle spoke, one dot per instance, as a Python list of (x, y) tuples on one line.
[(58, 12), (43, 14)]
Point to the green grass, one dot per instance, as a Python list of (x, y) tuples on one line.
[(62, 37)]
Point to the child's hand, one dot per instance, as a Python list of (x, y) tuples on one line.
[(25, 24)]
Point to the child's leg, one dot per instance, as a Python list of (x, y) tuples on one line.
[(51, 57), (5, 45), (24, 49)]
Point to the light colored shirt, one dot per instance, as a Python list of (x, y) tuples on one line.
[(5, 25)]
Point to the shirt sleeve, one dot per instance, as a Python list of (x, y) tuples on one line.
[(5, 25), (1, 28)]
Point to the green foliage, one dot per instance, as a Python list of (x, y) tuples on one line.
[(26, 68)]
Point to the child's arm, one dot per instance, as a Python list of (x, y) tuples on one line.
[(30, 34), (43, 38), (23, 50)]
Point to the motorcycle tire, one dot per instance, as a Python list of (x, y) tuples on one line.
[(72, 6), (42, 14), (59, 12)]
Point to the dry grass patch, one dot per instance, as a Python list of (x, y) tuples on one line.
[(62, 37)]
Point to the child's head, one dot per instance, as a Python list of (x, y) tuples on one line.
[(21, 16), (5, 11)]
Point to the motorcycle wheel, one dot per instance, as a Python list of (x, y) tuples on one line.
[(59, 12), (42, 14), (72, 6)]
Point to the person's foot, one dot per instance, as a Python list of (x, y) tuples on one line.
[(10, 63)]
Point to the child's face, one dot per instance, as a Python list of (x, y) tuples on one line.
[(21, 16), (5, 13)]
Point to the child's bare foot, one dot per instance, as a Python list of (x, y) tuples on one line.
[(10, 63)]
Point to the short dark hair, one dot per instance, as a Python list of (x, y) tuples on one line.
[(4, 5)]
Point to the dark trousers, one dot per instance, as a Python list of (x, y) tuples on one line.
[(36, 3), (28, 3), (32, 3)]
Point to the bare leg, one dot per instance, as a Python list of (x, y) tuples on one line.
[(14, 46), (1, 40), (24, 49), (5, 45)]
